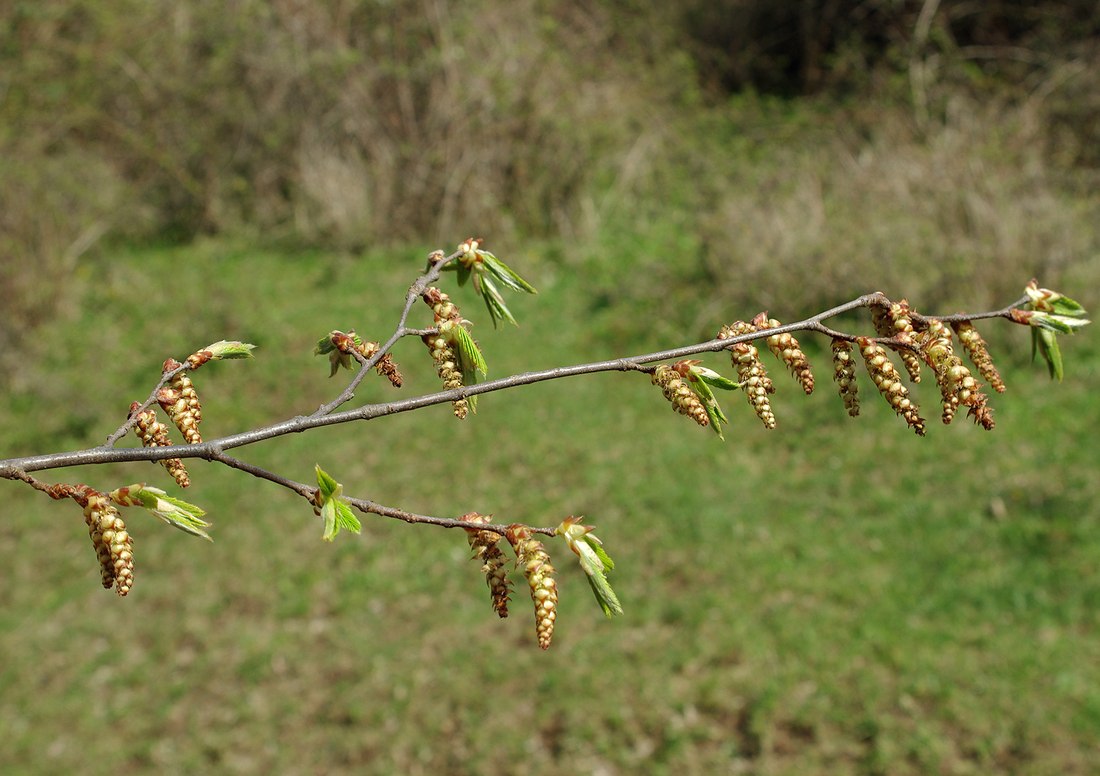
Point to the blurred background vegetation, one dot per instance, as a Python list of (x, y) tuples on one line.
[(172, 173)]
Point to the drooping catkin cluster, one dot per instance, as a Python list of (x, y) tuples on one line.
[(181, 403), (957, 385), (751, 374), (531, 556), (844, 373), (978, 352), (112, 542), (684, 399), (895, 321), (786, 349), (888, 381), (484, 545), (153, 433)]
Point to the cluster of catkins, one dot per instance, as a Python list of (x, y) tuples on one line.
[(180, 401), (917, 339), (914, 338), (534, 561)]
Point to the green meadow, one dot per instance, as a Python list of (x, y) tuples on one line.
[(833, 596)]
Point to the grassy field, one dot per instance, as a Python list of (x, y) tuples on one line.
[(835, 596)]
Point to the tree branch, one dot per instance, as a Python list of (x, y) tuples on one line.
[(212, 450)]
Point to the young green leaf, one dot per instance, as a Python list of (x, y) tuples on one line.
[(329, 487), (713, 379), (505, 274), (594, 560), (229, 349), (174, 511), (1046, 341), (701, 381), (335, 512), (1057, 323), (469, 354)]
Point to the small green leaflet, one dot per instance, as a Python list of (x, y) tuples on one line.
[(487, 269), (1062, 324), (701, 381), (227, 349), (1052, 314), (1045, 342), (505, 274), (175, 512), (713, 379), (595, 562), (334, 509), (469, 354)]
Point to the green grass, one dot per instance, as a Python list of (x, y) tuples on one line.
[(835, 596)]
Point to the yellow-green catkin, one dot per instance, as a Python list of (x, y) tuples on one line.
[(844, 373), (751, 374), (180, 402), (446, 366), (484, 545), (684, 399), (531, 556), (153, 433), (978, 351), (895, 321), (446, 361), (888, 381), (786, 349), (112, 542), (957, 384)]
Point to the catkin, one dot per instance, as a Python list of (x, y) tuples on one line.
[(751, 374), (786, 349), (153, 433), (484, 545), (531, 556), (895, 322), (684, 399), (844, 373), (888, 381)]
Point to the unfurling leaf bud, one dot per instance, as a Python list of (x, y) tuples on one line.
[(684, 399), (751, 374), (844, 373), (786, 349), (217, 351), (112, 542), (531, 556), (978, 351), (153, 433), (889, 384), (894, 320), (484, 545)]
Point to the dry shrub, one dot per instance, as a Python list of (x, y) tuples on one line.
[(961, 212)]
